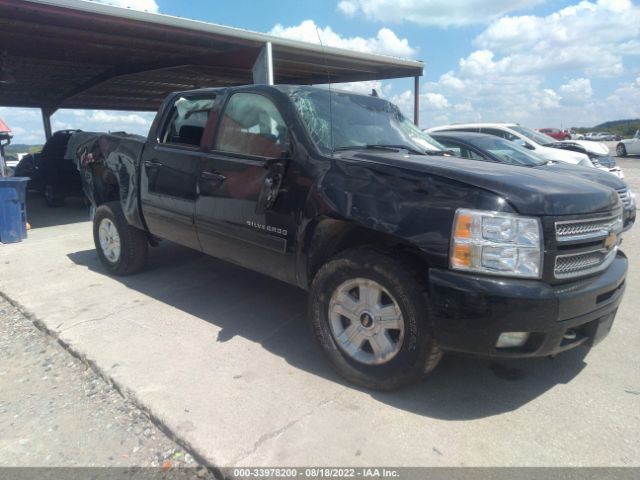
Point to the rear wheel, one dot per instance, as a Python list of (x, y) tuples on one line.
[(53, 195), (122, 249), (370, 314), (621, 150)]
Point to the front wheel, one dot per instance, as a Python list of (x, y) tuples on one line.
[(370, 315), (621, 150), (122, 249)]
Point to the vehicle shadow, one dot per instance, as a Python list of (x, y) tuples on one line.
[(39, 215), (273, 314)]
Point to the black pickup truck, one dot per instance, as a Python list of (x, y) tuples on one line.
[(406, 251)]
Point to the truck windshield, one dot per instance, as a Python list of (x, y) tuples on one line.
[(354, 121)]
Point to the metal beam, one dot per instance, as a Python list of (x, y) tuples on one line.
[(46, 121), (416, 100), (239, 59)]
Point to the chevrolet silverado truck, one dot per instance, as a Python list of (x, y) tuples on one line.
[(406, 251)]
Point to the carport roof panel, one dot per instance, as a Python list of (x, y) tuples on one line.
[(79, 54)]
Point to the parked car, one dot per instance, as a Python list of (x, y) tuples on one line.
[(576, 136), (478, 146), (55, 176), (556, 133), (538, 143), (600, 137), (630, 146), (407, 251), (597, 152)]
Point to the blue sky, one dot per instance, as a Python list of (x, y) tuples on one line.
[(540, 63)]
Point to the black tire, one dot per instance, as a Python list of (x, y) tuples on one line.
[(133, 242), (621, 150), (418, 353), (53, 195)]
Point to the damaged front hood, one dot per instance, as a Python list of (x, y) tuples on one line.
[(530, 191), (595, 148)]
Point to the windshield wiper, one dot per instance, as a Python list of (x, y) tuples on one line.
[(380, 146)]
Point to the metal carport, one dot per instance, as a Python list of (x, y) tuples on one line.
[(78, 54)]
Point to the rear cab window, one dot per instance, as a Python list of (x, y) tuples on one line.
[(186, 122)]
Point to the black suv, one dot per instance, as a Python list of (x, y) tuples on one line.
[(50, 172)]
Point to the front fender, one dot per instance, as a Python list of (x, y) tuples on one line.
[(416, 208)]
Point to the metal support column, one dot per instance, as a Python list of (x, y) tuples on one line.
[(46, 121), (416, 100), (263, 68)]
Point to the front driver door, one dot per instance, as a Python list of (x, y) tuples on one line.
[(242, 212), (169, 169)]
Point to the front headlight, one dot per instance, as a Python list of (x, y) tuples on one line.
[(496, 243)]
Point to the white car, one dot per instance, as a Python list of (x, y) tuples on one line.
[(630, 146), (597, 152), (538, 143)]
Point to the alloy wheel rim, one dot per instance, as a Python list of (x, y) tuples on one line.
[(109, 240), (366, 321)]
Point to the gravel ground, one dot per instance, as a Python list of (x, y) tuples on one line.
[(56, 411)]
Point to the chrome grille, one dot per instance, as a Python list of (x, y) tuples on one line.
[(625, 197), (585, 230), (584, 263)]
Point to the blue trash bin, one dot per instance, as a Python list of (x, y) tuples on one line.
[(13, 209)]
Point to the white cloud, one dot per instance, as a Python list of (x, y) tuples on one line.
[(145, 5), (111, 118), (576, 91), (433, 13), (386, 42), (508, 76), (587, 37), (26, 123)]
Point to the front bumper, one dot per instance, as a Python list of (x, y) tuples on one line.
[(469, 312)]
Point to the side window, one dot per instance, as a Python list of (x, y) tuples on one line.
[(499, 133), (451, 146), (465, 129), (251, 125), (186, 121), (473, 155)]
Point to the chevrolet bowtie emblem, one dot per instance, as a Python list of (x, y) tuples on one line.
[(610, 241)]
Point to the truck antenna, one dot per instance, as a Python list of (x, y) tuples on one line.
[(326, 66)]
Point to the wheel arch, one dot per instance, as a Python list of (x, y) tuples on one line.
[(326, 237)]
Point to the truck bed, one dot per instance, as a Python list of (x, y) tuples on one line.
[(109, 168)]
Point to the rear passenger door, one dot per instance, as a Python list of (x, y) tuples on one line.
[(169, 164)]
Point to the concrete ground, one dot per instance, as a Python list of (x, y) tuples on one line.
[(55, 410), (224, 359)]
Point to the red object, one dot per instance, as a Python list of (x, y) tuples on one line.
[(4, 128), (555, 133)]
